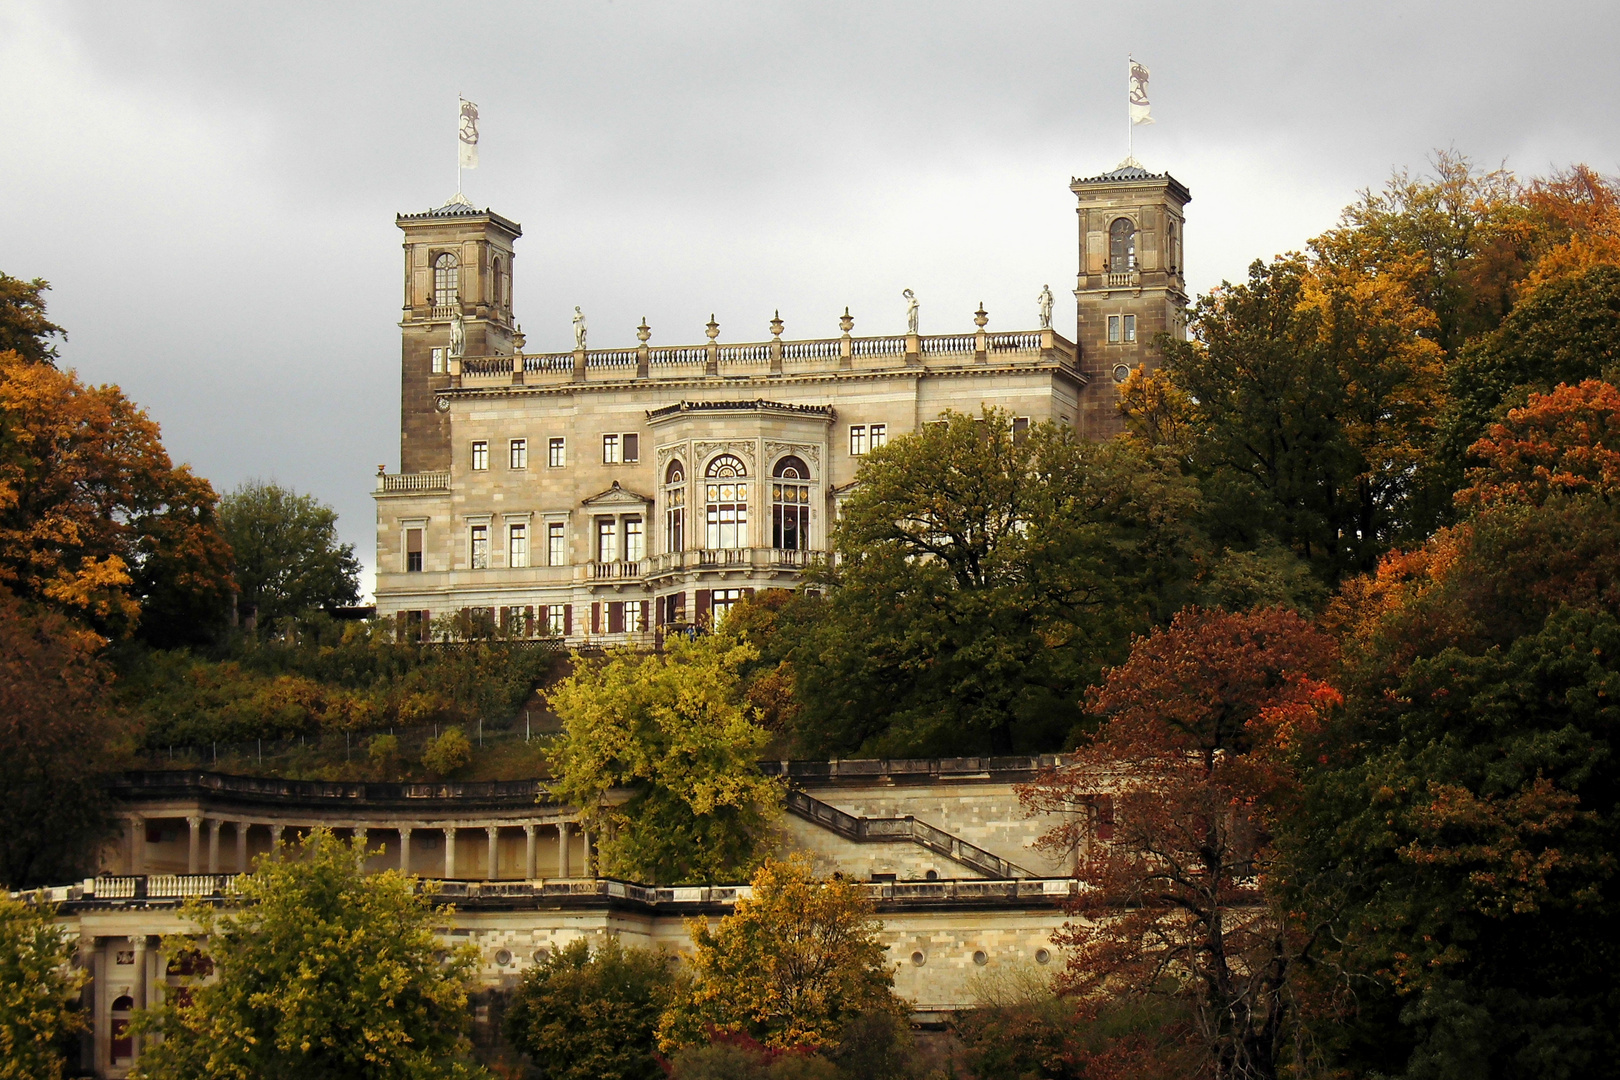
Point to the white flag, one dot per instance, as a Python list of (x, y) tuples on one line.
[(1139, 100), (469, 135)]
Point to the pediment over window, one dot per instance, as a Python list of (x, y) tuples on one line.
[(616, 496)]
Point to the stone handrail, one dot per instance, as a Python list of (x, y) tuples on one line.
[(422, 481), (870, 830)]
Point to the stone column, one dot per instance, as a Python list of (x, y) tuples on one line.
[(562, 849), (492, 871), (241, 846), (137, 844), (140, 988), (213, 845), (450, 851), (529, 853), (101, 1014), (585, 853), (275, 838), (194, 845), (359, 834), (404, 849)]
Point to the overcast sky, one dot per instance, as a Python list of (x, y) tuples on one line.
[(211, 187)]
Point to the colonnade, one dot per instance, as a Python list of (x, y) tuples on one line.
[(562, 837)]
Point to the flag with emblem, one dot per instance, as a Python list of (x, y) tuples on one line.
[(468, 135), (1140, 109)]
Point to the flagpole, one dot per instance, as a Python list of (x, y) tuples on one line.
[(1130, 124), (458, 143)]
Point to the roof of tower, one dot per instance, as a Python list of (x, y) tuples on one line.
[(1128, 171), (460, 206)]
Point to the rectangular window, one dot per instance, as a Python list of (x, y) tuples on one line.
[(1130, 328), (722, 602), (610, 449), (857, 440), (517, 544), (520, 454), (438, 361), (556, 544), (413, 551), (1113, 329), (632, 446), (607, 540), (557, 453), (880, 435), (632, 617), (634, 547), (480, 456), (1020, 428), (554, 620), (674, 519), (480, 547)]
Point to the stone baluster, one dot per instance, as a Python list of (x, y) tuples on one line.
[(213, 844), (529, 866), (405, 849), (492, 870)]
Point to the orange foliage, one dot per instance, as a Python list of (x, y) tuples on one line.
[(1563, 443)]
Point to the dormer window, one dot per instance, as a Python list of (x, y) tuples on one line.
[(446, 280), (1121, 246)]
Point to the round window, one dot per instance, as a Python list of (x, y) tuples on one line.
[(1043, 956), (919, 959), (981, 958), (542, 955), (1121, 372), (503, 957)]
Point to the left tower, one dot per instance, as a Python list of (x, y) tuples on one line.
[(458, 258)]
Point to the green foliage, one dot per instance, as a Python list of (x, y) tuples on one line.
[(323, 676), (37, 991), (287, 557), (592, 1016), (672, 731), (792, 966), (23, 326), (56, 735), (324, 972), (983, 581), (447, 752)]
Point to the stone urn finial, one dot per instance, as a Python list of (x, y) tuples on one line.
[(981, 316), (518, 340), (713, 328), (776, 325), (846, 323), (643, 332)]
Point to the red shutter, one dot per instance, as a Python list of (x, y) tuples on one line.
[(660, 609), (427, 626), (747, 593), (1105, 818), (568, 620), (644, 614), (705, 600), (616, 617), (596, 618)]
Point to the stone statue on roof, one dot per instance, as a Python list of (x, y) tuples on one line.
[(579, 328), (911, 311), (1045, 300), (458, 333)]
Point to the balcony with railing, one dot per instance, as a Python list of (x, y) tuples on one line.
[(621, 570), (437, 482), (1124, 279)]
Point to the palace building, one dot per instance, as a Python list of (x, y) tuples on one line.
[(606, 494)]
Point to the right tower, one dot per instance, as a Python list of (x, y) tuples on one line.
[(1131, 286)]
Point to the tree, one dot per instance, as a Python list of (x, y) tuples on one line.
[(581, 1015), (323, 972), (24, 329), (671, 730), (94, 518), (54, 812), (288, 559), (984, 577), (37, 990), (1170, 813), (792, 966)]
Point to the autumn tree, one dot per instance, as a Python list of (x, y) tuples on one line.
[(672, 731), (94, 518), (55, 732), (324, 971), (24, 329), (793, 965), (984, 577), (287, 558), (1170, 813), (38, 984), (583, 1014)]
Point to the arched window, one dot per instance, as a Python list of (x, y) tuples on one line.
[(675, 507), (446, 279), (1121, 246), (123, 1041), (726, 504), (790, 506)]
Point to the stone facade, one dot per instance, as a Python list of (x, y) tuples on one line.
[(608, 494)]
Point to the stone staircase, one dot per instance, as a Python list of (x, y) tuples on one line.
[(864, 830)]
